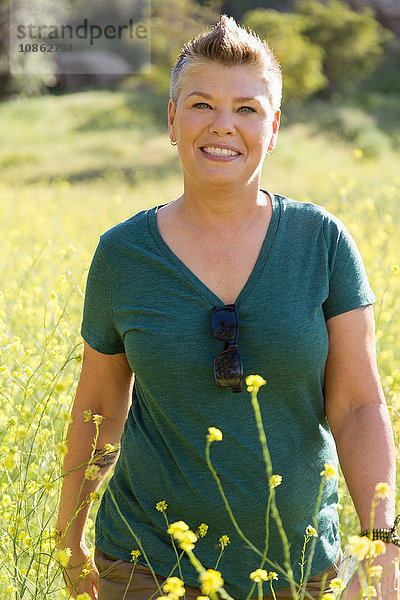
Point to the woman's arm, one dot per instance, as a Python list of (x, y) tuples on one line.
[(104, 388), (358, 417)]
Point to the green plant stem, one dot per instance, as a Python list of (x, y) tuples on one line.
[(136, 538), (259, 589), (303, 559), (230, 513), (314, 541), (129, 582), (274, 508), (219, 558), (266, 545), (272, 589), (227, 506)]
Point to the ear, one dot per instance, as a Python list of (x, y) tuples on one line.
[(275, 128), (171, 119)]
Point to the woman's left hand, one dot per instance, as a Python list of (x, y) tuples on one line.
[(386, 587)]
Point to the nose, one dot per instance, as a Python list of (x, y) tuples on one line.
[(222, 123)]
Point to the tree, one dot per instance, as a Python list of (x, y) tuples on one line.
[(300, 58), (352, 41)]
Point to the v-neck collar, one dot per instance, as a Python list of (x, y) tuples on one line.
[(212, 298)]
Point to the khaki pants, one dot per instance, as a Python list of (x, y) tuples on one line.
[(114, 575)]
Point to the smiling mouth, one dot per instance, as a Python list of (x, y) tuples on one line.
[(213, 151)]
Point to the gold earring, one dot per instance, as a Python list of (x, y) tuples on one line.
[(173, 142)]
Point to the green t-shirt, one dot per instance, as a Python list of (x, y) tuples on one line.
[(142, 300)]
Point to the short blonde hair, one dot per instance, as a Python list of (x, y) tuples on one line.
[(230, 44)]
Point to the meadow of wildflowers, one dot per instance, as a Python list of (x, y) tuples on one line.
[(55, 201)]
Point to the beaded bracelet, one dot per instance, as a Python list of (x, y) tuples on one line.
[(390, 536)]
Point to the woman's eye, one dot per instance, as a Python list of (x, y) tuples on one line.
[(201, 105), (247, 109)]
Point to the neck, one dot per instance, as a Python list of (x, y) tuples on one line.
[(223, 206)]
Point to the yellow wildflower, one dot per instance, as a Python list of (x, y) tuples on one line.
[(63, 448), (214, 434), (9, 462), (92, 472), (135, 555), (378, 547), (375, 571), (329, 471), (54, 534), (328, 596), (210, 581), (83, 574), (203, 598), (28, 372), (84, 596), (359, 546), (32, 487), (275, 480), (87, 415), (6, 500), (110, 448), (357, 153), (64, 556), (186, 540), (272, 575), (177, 528), (382, 490), (337, 584), (369, 592), (224, 541), (161, 505), (259, 575), (174, 587), (98, 419), (202, 530), (311, 532), (254, 382)]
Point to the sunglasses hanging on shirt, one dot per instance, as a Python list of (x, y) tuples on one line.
[(228, 367)]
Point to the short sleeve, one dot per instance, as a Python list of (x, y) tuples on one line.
[(348, 282), (98, 325)]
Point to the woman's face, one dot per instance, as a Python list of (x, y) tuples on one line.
[(223, 123)]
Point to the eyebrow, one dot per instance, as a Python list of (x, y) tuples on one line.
[(238, 99)]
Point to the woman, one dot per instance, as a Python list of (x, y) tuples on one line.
[(294, 300)]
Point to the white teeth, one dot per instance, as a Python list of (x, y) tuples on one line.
[(219, 151)]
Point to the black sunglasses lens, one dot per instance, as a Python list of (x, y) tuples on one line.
[(224, 324), (228, 369)]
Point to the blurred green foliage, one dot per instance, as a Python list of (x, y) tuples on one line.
[(322, 46), (300, 58), (353, 42)]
